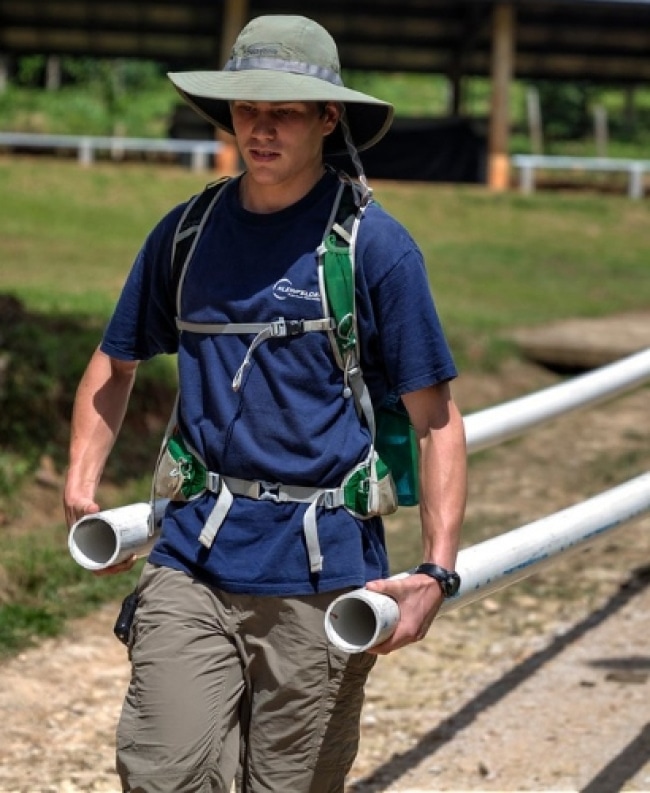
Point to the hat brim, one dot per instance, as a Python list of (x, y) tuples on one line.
[(210, 92)]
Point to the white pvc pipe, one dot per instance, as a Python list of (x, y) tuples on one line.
[(494, 425), (503, 560), (358, 620), (111, 536)]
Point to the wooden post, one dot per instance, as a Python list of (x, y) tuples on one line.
[(235, 16), (503, 23), (53, 73), (601, 130), (535, 121), (4, 73), (454, 87)]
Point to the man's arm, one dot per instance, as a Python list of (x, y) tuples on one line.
[(100, 405), (443, 491)]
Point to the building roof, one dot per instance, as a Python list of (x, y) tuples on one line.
[(600, 40)]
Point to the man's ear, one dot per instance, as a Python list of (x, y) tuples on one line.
[(331, 116)]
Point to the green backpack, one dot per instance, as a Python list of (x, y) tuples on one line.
[(392, 433)]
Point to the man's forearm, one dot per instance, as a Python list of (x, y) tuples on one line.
[(443, 471), (443, 489), (99, 409)]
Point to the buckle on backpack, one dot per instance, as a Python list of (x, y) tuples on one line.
[(269, 492), (287, 327), (213, 482), (278, 327), (295, 326)]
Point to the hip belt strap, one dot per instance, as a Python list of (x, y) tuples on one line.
[(225, 487)]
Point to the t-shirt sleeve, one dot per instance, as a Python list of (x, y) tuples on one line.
[(143, 322), (401, 333)]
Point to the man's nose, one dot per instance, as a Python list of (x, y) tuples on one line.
[(264, 125)]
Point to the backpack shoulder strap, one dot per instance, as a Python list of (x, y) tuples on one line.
[(337, 268), (392, 435), (336, 274), (188, 231)]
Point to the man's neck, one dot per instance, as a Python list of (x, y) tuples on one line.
[(264, 199)]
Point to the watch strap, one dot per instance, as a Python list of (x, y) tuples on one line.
[(449, 580)]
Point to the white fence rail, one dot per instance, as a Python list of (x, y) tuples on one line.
[(88, 146), (529, 164)]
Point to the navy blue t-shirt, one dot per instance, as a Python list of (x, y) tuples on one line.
[(289, 422)]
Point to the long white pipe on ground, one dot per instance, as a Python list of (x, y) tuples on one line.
[(492, 426), (503, 560)]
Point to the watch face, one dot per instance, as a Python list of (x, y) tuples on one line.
[(452, 585)]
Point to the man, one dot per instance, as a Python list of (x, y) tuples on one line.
[(230, 663)]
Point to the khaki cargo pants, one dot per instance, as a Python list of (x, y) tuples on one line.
[(222, 682)]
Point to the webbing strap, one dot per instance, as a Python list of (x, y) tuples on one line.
[(227, 486), (310, 530), (216, 516), (188, 232), (279, 327), (362, 397), (282, 494)]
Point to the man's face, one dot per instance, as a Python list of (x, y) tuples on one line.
[(282, 141)]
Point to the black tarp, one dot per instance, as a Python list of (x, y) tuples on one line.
[(427, 150)]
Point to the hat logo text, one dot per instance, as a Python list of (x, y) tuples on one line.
[(262, 52)]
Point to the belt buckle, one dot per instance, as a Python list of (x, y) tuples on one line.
[(269, 492)]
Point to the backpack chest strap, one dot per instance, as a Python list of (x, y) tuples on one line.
[(278, 328)]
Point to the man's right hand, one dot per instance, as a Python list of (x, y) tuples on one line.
[(77, 509)]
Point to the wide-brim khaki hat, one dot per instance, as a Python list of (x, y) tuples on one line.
[(280, 58)]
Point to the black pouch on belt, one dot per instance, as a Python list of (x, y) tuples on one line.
[(124, 621)]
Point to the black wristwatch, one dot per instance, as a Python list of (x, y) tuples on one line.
[(449, 581)]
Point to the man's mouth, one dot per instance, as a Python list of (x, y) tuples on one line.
[(263, 155)]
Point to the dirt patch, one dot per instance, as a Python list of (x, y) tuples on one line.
[(544, 686), (585, 343)]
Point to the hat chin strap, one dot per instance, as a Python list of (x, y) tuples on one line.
[(354, 155)]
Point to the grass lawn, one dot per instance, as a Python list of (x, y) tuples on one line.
[(68, 236)]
